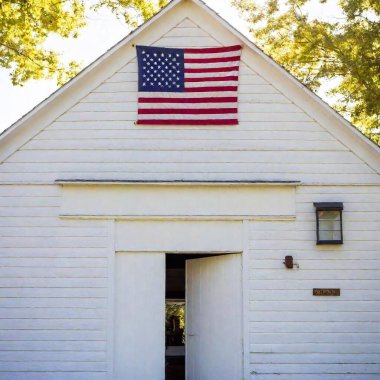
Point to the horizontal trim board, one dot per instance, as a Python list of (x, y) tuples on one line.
[(271, 218), (179, 236), (152, 200), (175, 182)]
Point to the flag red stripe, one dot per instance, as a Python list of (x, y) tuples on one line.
[(212, 70), (186, 111), (213, 50), (190, 122), (210, 89), (225, 99), (212, 60), (203, 100), (212, 79)]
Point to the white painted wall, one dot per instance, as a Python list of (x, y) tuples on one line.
[(54, 272), (147, 200), (139, 316), (53, 289), (179, 236), (301, 336), (276, 139)]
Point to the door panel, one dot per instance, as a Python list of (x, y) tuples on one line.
[(214, 347), (139, 316)]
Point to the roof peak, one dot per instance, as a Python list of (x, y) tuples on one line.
[(91, 76)]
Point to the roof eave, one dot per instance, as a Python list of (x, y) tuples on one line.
[(13, 129)]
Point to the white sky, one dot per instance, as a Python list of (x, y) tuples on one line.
[(102, 32)]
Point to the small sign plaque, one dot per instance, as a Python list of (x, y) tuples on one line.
[(326, 292)]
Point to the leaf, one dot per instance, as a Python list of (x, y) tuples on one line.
[(316, 51), (26, 25)]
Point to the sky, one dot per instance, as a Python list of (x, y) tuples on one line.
[(102, 32)]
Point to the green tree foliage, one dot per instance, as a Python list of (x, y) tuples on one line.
[(132, 11), (343, 50), (26, 25)]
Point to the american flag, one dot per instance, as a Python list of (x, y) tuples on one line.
[(188, 86)]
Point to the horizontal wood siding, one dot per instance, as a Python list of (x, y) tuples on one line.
[(53, 289), (54, 272), (97, 138), (295, 335)]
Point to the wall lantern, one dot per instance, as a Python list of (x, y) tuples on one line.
[(329, 222)]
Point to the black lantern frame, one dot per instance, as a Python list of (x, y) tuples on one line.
[(329, 206)]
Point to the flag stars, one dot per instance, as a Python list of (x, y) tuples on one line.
[(161, 70)]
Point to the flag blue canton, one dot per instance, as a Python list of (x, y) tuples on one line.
[(160, 69)]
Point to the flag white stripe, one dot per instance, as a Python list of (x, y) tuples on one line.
[(210, 84), (211, 75), (211, 55), (186, 105), (187, 116), (180, 95), (213, 65)]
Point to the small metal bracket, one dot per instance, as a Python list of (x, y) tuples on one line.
[(289, 263)]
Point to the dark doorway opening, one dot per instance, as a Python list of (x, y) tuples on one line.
[(175, 317), (175, 323)]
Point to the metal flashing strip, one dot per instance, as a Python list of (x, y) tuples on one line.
[(176, 182)]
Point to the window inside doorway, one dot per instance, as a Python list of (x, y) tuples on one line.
[(175, 322)]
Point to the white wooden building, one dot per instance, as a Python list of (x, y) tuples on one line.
[(94, 207)]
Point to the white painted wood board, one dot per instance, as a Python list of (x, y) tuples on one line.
[(139, 351), (214, 343), (179, 236), (172, 200)]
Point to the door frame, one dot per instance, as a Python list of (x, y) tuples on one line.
[(114, 201), (240, 243)]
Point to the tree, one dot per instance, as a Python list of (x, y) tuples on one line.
[(26, 25), (344, 50)]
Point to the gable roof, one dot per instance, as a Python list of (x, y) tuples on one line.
[(65, 97)]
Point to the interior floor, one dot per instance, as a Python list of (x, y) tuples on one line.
[(175, 368)]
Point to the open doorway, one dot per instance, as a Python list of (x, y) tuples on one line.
[(176, 301), (207, 288), (175, 311)]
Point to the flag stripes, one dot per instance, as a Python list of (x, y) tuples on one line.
[(207, 92)]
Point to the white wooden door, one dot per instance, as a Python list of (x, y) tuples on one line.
[(139, 316), (214, 346)]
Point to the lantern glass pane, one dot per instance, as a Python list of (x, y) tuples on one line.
[(329, 225)]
